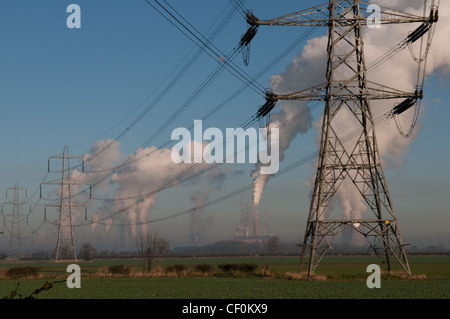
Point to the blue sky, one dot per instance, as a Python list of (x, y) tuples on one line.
[(74, 87)]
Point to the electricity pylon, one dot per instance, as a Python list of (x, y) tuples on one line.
[(347, 89), (15, 239), (65, 243)]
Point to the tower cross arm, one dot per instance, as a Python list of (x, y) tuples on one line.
[(72, 204), (374, 91), (320, 16)]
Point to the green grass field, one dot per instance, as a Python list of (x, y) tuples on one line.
[(341, 277)]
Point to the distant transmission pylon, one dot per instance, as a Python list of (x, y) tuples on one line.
[(15, 239), (347, 89), (65, 243)]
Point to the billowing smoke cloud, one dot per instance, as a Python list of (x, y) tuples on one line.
[(143, 173), (99, 162), (153, 170), (286, 114), (137, 183), (304, 69), (308, 69), (102, 157), (401, 71)]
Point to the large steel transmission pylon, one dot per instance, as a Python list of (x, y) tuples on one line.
[(15, 239), (348, 90), (65, 243)]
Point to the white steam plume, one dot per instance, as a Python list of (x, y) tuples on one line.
[(303, 70), (103, 156), (154, 169)]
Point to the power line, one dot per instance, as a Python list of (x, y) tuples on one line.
[(209, 48), (173, 76), (279, 57)]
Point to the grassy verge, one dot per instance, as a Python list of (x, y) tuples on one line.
[(233, 288), (229, 278)]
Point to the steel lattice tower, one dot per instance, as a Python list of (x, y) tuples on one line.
[(65, 243), (347, 89), (15, 239)]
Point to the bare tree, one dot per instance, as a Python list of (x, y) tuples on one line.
[(273, 245), (150, 246), (87, 251)]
